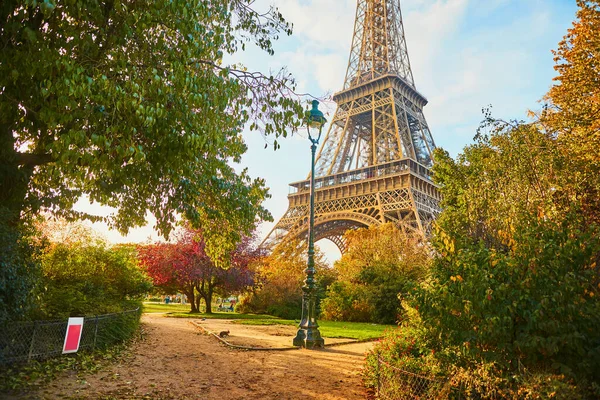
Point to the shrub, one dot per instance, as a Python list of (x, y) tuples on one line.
[(381, 266), (89, 278), (19, 270), (346, 301), (533, 308)]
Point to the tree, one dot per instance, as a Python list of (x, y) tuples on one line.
[(511, 307), (186, 267), (175, 267), (572, 114), (131, 105), (279, 280), (381, 265), (19, 272), (234, 278)]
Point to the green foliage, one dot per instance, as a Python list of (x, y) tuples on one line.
[(19, 272), (535, 307), (403, 348), (132, 105), (280, 277), (379, 268), (347, 301), (512, 309), (118, 328), (89, 278)]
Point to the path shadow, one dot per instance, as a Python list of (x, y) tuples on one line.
[(336, 350)]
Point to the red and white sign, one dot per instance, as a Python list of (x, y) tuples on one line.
[(73, 336)]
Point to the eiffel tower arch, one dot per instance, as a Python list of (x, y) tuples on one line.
[(374, 164)]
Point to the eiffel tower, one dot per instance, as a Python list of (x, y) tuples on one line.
[(374, 164)]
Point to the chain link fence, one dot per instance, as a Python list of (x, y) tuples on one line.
[(394, 383), (38, 340)]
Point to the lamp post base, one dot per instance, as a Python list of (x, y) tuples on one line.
[(309, 338)]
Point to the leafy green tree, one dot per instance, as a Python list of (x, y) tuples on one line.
[(381, 265), (131, 104), (512, 300), (19, 273)]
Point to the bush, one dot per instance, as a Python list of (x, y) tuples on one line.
[(402, 352), (531, 309), (119, 327), (381, 266), (19, 270), (89, 279), (347, 302)]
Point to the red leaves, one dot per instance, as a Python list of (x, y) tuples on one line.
[(186, 263)]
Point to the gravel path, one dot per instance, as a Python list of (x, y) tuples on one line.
[(177, 361)]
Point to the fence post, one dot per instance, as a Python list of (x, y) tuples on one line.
[(35, 324), (95, 334)]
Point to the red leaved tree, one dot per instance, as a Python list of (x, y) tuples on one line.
[(184, 266)]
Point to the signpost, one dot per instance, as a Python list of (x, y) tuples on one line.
[(73, 336)]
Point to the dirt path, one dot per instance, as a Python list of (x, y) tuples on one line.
[(176, 361)]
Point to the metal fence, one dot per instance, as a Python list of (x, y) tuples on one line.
[(38, 340), (394, 383)]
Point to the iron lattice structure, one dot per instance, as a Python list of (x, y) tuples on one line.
[(374, 164)]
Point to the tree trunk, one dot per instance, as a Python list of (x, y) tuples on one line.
[(198, 300), (208, 301), (191, 298)]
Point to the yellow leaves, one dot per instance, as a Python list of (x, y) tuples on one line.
[(507, 237), (447, 241)]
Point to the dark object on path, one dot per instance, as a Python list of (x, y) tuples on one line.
[(223, 334)]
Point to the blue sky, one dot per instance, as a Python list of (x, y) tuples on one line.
[(465, 55)]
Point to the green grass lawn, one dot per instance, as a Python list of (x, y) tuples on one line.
[(352, 330), (226, 315), (168, 308), (329, 329)]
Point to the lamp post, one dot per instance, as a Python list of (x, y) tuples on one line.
[(308, 335)]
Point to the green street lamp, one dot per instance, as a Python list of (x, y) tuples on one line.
[(308, 335)]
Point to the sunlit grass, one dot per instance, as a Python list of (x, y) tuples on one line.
[(328, 329), (165, 308), (331, 329), (225, 315)]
